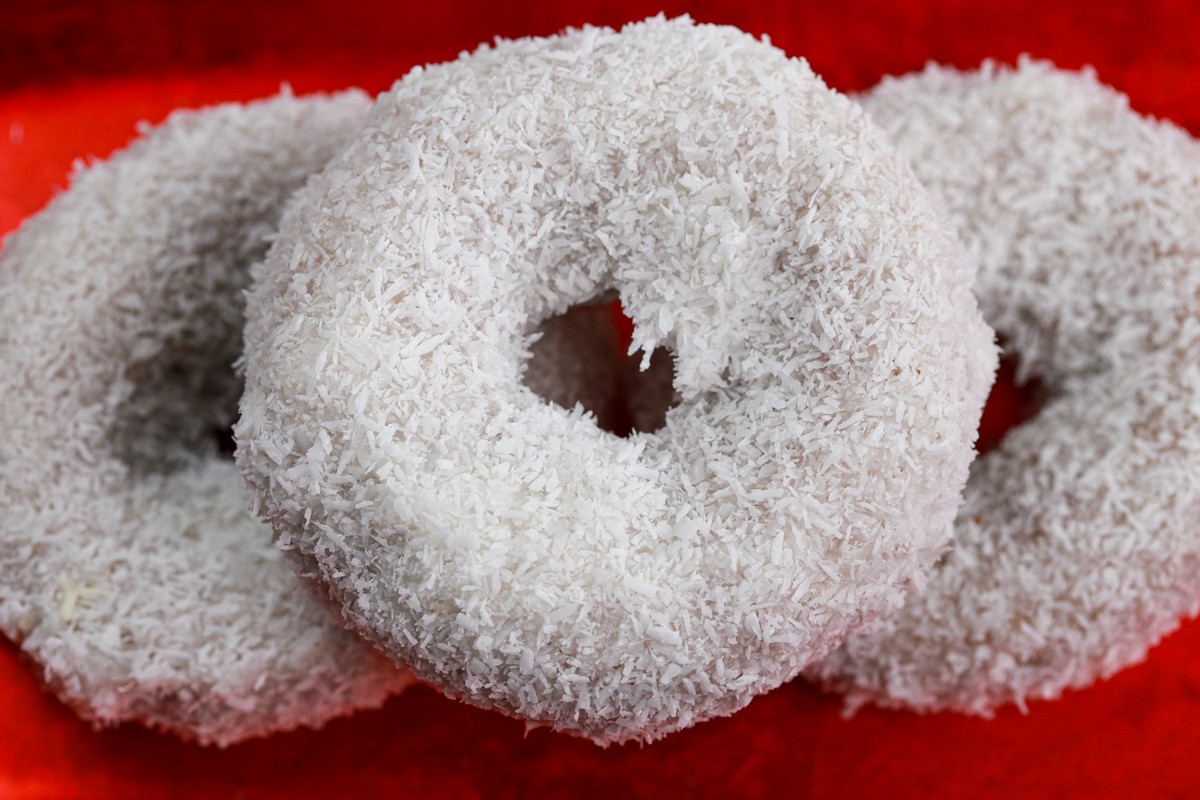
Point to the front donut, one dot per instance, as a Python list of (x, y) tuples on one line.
[(829, 358)]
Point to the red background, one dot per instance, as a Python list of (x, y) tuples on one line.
[(74, 78)]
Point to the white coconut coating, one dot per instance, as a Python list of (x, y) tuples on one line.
[(1078, 546), (131, 571), (830, 360)]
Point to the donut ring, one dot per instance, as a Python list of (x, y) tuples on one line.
[(130, 569), (1078, 547), (511, 551)]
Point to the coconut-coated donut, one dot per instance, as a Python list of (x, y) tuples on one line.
[(830, 361), (130, 569), (1078, 546)]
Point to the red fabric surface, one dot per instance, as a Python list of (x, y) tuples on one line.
[(74, 78)]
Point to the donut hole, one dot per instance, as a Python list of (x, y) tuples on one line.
[(581, 357), (223, 437), (1009, 404), (181, 402)]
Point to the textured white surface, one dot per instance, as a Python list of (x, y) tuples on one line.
[(829, 356), (1078, 546), (130, 569)]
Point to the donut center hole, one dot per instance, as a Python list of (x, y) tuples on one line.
[(582, 358), (178, 398), (1009, 404), (222, 437), (181, 408)]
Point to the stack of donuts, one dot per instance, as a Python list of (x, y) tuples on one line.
[(606, 380)]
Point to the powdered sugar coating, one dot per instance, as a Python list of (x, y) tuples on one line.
[(1078, 546), (130, 569), (829, 356)]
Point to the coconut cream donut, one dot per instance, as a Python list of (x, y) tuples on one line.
[(130, 569), (1078, 547), (830, 361)]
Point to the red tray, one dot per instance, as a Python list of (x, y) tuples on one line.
[(75, 78)]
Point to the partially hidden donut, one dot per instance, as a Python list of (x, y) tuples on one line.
[(131, 571), (1078, 546), (829, 359)]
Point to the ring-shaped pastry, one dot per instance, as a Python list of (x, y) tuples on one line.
[(130, 569), (1078, 546), (830, 361)]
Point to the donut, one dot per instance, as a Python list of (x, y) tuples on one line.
[(131, 571), (1078, 545), (829, 359)]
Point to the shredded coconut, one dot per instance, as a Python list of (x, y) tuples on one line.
[(1078, 547), (130, 569), (830, 361)]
